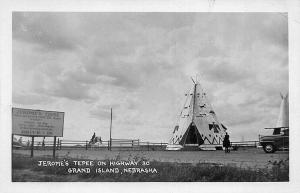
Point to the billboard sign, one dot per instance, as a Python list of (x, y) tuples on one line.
[(31, 122)]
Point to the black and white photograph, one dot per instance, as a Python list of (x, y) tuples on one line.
[(151, 96), (203, 96)]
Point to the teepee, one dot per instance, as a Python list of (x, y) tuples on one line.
[(198, 126), (283, 118)]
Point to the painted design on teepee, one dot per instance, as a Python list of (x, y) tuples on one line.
[(198, 123)]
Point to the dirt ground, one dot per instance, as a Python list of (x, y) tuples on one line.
[(248, 157)]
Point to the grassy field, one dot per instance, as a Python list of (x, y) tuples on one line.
[(244, 157), (25, 168)]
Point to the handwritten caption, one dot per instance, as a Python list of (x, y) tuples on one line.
[(101, 167)]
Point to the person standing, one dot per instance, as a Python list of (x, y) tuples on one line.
[(226, 143)]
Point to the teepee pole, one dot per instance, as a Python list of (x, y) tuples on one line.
[(193, 80), (194, 101)]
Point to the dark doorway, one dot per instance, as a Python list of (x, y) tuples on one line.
[(192, 136)]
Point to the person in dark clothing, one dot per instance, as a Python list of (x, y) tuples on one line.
[(226, 143)]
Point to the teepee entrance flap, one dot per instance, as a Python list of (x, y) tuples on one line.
[(192, 136)]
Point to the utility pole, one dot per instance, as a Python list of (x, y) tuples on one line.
[(110, 129)]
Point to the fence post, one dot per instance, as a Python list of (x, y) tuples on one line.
[(86, 145), (148, 146), (43, 144)]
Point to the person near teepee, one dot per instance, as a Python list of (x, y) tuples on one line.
[(226, 143)]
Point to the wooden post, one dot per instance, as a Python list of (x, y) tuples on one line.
[(86, 145), (43, 143), (148, 146), (32, 146), (54, 146)]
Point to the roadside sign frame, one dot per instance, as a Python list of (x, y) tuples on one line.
[(39, 110)]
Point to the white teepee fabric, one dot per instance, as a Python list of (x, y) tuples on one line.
[(198, 113), (283, 118)]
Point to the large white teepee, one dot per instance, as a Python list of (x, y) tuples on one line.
[(283, 118), (198, 126)]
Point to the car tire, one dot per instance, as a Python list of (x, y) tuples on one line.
[(269, 148)]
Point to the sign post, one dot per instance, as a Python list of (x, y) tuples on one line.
[(54, 146), (32, 146)]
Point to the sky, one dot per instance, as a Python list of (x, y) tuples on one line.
[(141, 64)]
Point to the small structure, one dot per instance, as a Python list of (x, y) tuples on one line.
[(198, 127)]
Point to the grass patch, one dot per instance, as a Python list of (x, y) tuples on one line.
[(166, 171)]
